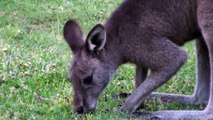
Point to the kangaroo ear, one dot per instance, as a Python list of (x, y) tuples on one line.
[(96, 38), (73, 35)]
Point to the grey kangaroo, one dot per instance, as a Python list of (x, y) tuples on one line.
[(147, 33)]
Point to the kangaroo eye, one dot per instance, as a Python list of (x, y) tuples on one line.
[(88, 80)]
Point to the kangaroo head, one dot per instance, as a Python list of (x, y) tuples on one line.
[(89, 72)]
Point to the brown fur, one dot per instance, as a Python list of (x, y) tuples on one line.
[(146, 33)]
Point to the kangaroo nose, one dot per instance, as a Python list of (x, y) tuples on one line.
[(79, 110), (91, 110)]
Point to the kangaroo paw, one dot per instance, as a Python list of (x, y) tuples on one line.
[(177, 115)]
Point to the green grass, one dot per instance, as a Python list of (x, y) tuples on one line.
[(34, 60)]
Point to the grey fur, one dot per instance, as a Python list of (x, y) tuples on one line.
[(147, 33)]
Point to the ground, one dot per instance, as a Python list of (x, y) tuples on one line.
[(34, 60)]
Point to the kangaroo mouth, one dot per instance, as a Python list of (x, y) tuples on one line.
[(84, 110)]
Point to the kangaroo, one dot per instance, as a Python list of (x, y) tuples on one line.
[(147, 33)]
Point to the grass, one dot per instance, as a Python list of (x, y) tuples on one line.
[(34, 60)]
